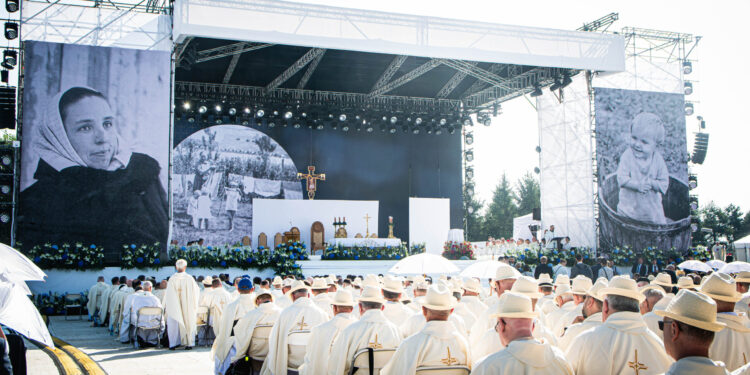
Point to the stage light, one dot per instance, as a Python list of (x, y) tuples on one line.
[(537, 170), (288, 115), (202, 109), (693, 206), (5, 218), (218, 121), (271, 124), (358, 127), (217, 108), (5, 189), (687, 67), (470, 210), (303, 114), (320, 127), (469, 155), (538, 149), (392, 130), (10, 58), (369, 129), (232, 111), (688, 88), (537, 91), (469, 138), (11, 6), (334, 126), (415, 131), (260, 113), (470, 189), (555, 86), (442, 121), (342, 117), (467, 121), (191, 119), (418, 121), (469, 172), (11, 30), (438, 131), (394, 119), (186, 105), (345, 127), (245, 122), (275, 113), (429, 130), (451, 130), (566, 81), (689, 109), (487, 121), (246, 110), (692, 181), (297, 125)]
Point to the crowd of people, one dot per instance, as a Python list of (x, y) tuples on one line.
[(569, 324)]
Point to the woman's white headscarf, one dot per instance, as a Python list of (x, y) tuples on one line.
[(54, 147)]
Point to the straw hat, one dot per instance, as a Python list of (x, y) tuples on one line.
[(596, 288), (472, 285), (544, 279), (393, 285), (371, 280), (422, 285), (651, 278), (287, 283), (581, 285), (562, 279), (263, 292), (357, 281), (622, 286), (742, 277), (297, 285), (371, 294), (693, 309), (506, 272), (514, 305), (330, 280), (438, 297), (685, 283), (562, 290), (319, 283), (527, 286), (662, 279), (207, 281), (721, 287), (419, 279), (343, 298), (277, 280)]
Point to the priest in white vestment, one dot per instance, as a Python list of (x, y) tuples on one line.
[(732, 344), (180, 306), (581, 285), (505, 276), (591, 312), (564, 303), (394, 309), (523, 354), (320, 297), (284, 301), (742, 280), (140, 299), (322, 337), (246, 347), (160, 290), (472, 288), (689, 326), (127, 312), (302, 315), (373, 330), (105, 298), (118, 301), (215, 298), (437, 344), (95, 296), (225, 327), (622, 341)]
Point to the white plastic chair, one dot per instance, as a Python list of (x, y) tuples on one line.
[(148, 319), (443, 370), (297, 346), (74, 301), (202, 326), (361, 360)]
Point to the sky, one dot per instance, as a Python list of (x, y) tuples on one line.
[(720, 83), (507, 146)]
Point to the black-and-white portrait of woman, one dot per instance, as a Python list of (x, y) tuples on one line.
[(87, 176)]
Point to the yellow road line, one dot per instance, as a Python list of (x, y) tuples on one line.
[(88, 365)]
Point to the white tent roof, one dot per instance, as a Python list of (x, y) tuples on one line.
[(742, 241)]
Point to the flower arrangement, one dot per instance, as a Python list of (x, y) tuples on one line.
[(143, 256), (418, 248), (54, 303), (624, 256), (77, 256), (283, 259), (458, 250), (365, 253)]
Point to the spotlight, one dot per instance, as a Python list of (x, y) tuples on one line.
[(369, 128), (11, 30), (555, 86), (191, 119), (469, 155), (418, 121), (393, 119), (429, 130), (232, 111), (246, 110), (320, 127), (5, 189), (442, 121), (415, 131), (469, 138), (245, 122), (392, 130), (202, 109), (271, 124), (537, 91), (487, 121), (260, 113), (438, 131), (297, 125), (693, 206), (689, 110), (342, 117), (186, 105), (5, 218), (469, 172), (11, 5), (10, 57), (288, 115), (687, 66), (538, 149), (537, 170), (467, 121), (692, 181), (345, 127), (470, 189), (217, 108), (688, 88), (334, 126)]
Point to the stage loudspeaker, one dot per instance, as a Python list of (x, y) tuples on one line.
[(700, 148), (7, 107), (536, 214)]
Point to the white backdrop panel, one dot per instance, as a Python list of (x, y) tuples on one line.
[(271, 216), (429, 222)]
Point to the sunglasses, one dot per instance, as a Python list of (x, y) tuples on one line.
[(662, 323)]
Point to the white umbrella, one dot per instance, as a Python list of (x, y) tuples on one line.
[(695, 265), (423, 264), (17, 312), (484, 269), (716, 264), (17, 266), (735, 267)]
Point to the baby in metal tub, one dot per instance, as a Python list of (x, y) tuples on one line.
[(642, 173)]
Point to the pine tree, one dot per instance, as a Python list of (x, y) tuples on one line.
[(527, 194), (501, 211)]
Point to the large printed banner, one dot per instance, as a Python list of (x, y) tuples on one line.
[(95, 147), (642, 157)]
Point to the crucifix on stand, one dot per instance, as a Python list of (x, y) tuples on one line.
[(367, 223), (311, 180)]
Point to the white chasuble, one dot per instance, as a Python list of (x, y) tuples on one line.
[(525, 357), (552, 319), (323, 300), (225, 327), (437, 344), (618, 346), (267, 314), (732, 344), (372, 330), (593, 321), (95, 296), (396, 312), (416, 322), (180, 305), (321, 342)]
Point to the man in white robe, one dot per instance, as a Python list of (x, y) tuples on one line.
[(591, 313), (742, 281), (276, 285), (323, 336), (225, 327), (472, 288), (95, 295), (160, 290), (248, 349), (118, 301), (180, 306), (373, 330), (302, 315), (104, 300), (581, 285), (126, 330), (523, 354), (393, 309), (140, 299), (320, 296), (564, 303), (284, 301), (437, 344), (732, 344), (689, 326), (215, 298), (623, 329), (461, 309), (505, 276)]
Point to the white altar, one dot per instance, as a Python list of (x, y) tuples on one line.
[(366, 242)]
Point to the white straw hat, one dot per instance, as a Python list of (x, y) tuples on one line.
[(694, 309), (393, 285), (207, 281), (514, 305), (371, 280), (277, 280), (662, 279), (742, 277), (623, 286), (527, 286), (297, 285), (581, 285), (263, 292), (562, 290), (545, 279), (287, 282), (685, 282), (343, 298), (720, 287), (438, 297), (596, 288), (472, 285), (319, 283), (506, 272), (371, 294), (562, 279)]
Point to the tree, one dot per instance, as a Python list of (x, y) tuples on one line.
[(734, 222), (527, 194), (474, 219), (501, 211)]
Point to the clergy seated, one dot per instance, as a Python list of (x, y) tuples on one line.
[(214, 298), (105, 299), (322, 336), (373, 330), (689, 327), (437, 344), (224, 347), (591, 315), (505, 277), (289, 336), (624, 329), (95, 296), (252, 332), (393, 309), (126, 330), (118, 300), (523, 354), (180, 305), (146, 317), (320, 296), (732, 344)]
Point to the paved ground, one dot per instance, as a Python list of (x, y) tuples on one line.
[(116, 358)]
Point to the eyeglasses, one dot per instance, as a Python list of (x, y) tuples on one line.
[(661, 325)]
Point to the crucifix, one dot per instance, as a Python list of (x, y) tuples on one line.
[(449, 361), (637, 366), (375, 344), (367, 223), (311, 180), (302, 324)]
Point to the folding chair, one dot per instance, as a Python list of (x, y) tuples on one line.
[(370, 361), (148, 326), (203, 328), (297, 346), (74, 301), (443, 370)]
